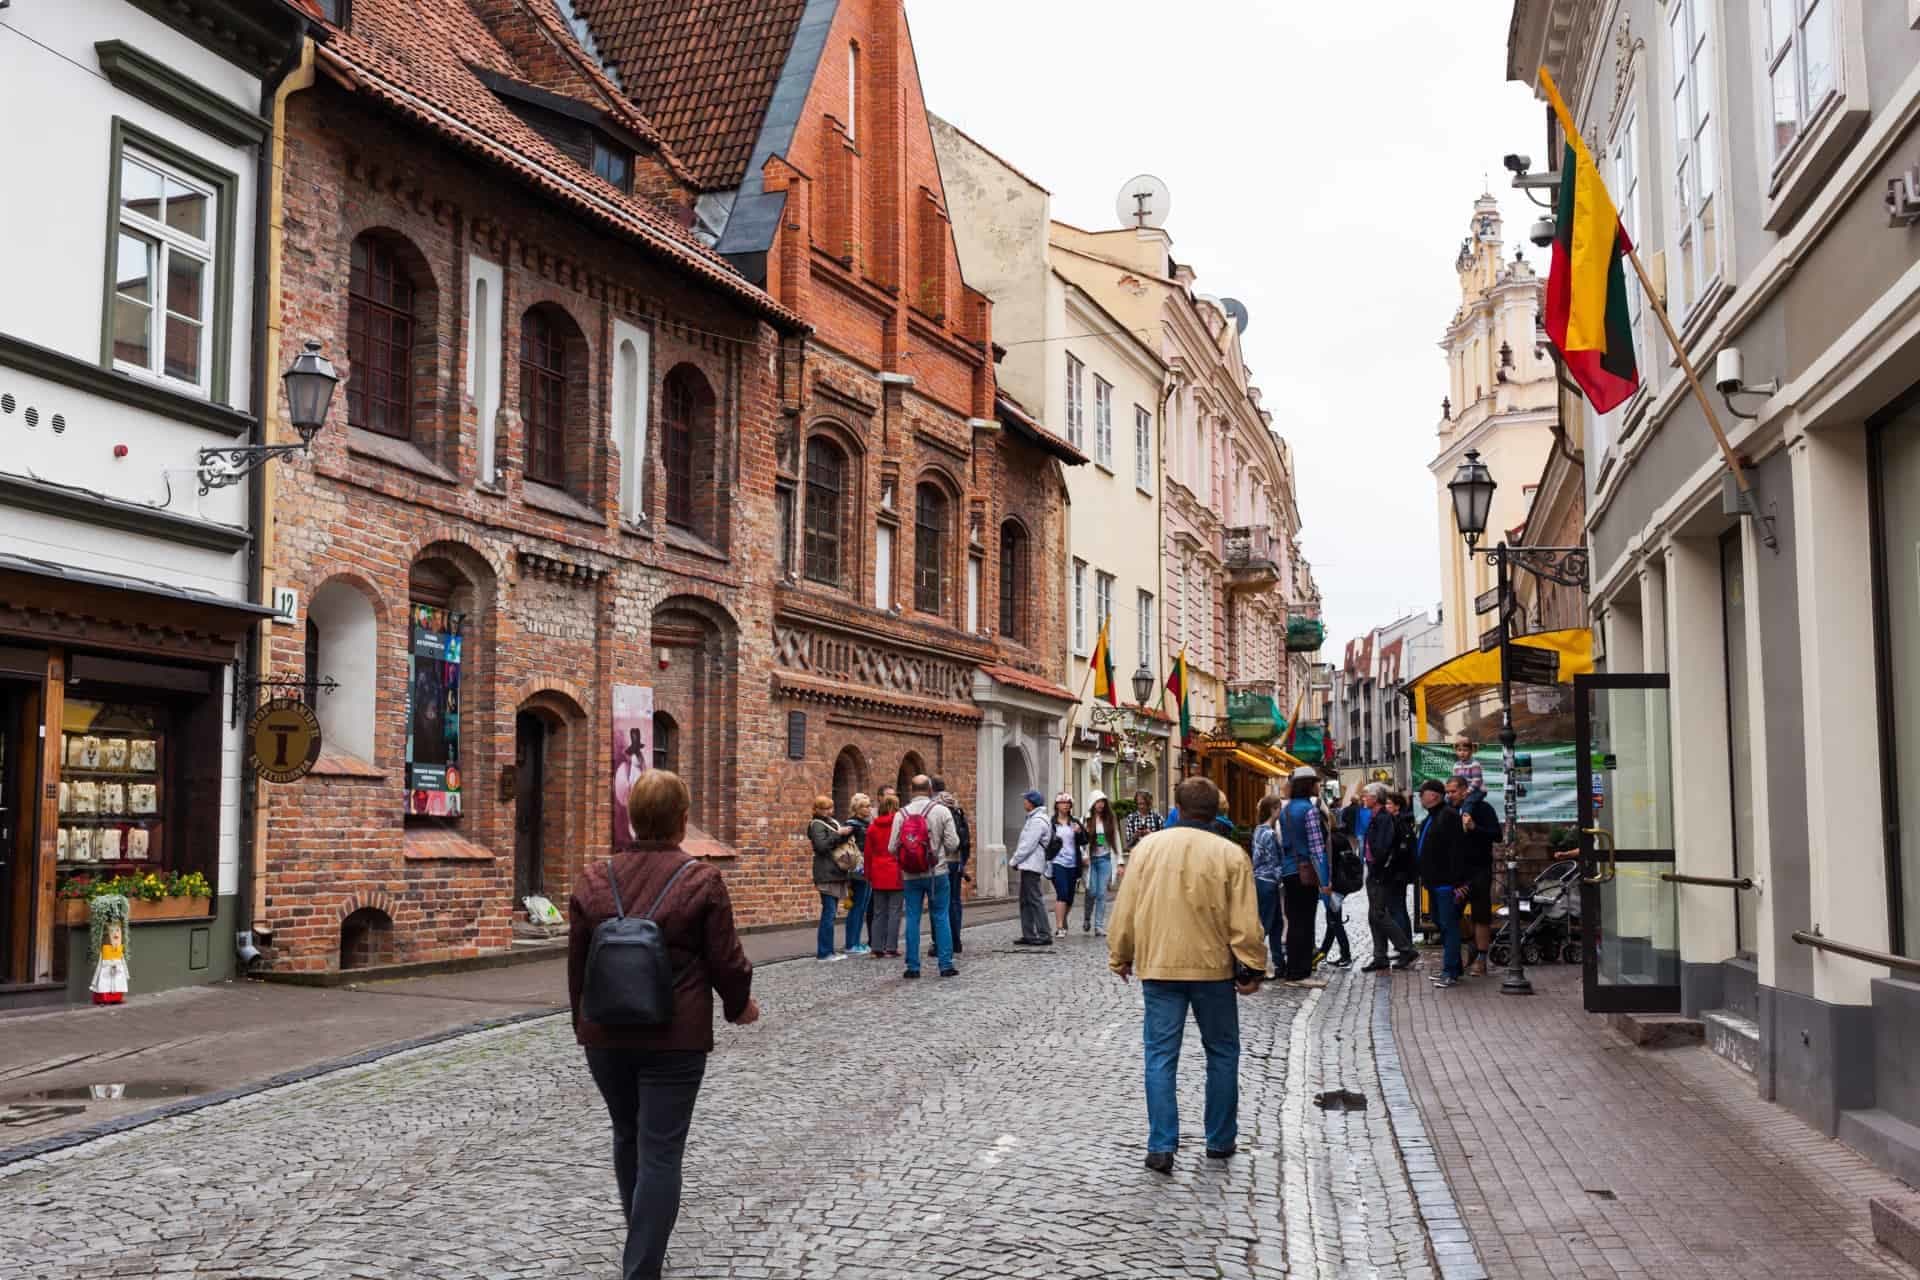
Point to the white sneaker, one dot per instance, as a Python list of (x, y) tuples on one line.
[(1099, 933), (838, 955), (1059, 933)]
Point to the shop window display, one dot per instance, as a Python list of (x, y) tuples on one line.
[(113, 786), (433, 713)]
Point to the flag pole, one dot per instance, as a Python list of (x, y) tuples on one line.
[(1066, 735), (1733, 462)]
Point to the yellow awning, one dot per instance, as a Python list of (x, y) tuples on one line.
[(1257, 763), (1574, 645)]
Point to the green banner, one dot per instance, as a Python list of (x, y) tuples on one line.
[(1552, 791), (1254, 717)]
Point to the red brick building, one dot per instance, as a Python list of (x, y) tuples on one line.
[(589, 483), (919, 610)]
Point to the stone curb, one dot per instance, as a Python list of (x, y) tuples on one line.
[(1447, 1233)]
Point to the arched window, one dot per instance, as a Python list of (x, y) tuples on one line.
[(543, 396), (380, 320), (931, 520), (826, 510), (849, 778), (911, 767), (1015, 580), (687, 418)]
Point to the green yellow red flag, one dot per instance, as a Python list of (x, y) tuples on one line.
[(1103, 687), (1587, 317), (1181, 687)]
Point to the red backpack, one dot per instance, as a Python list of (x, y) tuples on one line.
[(916, 843)]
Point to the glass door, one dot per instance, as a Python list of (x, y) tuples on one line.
[(1630, 928)]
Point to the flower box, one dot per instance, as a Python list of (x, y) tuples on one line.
[(73, 911)]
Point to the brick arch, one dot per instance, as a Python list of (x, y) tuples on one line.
[(548, 693), (367, 900), (462, 541), (325, 574)]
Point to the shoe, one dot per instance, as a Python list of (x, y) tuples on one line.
[(1025, 942), (949, 973), (1318, 958), (881, 955), (1086, 927), (1443, 983), (1479, 969), (1342, 962), (859, 951), (838, 955), (957, 948), (1373, 966), (1099, 933), (1407, 960), (1160, 1161), (911, 974), (1227, 1152), (1060, 933)]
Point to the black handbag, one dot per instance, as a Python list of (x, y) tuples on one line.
[(629, 978)]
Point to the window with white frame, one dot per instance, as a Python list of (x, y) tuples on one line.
[(1076, 410), (1103, 601), (1142, 450), (1696, 148), (1149, 650), (883, 567), (1080, 606), (1801, 73), (164, 269), (1103, 422)]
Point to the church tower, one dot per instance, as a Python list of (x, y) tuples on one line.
[(1500, 399)]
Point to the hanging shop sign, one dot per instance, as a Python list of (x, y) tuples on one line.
[(433, 712), (283, 740)]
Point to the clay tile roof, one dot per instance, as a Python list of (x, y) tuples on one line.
[(1027, 680), (702, 70), (417, 58), (1028, 427)]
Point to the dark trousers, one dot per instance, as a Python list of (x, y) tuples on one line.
[(954, 872), (1337, 928), (1298, 902), (1384, 921), (650, 1099), (1034, 926)]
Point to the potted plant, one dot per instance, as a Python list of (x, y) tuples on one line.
[(151, 896)]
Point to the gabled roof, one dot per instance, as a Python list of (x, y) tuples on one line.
[(704, 71), (420, 58), (1028, 428)]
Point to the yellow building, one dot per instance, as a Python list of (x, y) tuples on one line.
[(1500, 401)]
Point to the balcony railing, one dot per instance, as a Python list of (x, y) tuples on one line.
[(1250, 556)]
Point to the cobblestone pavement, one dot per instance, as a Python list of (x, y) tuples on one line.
[(1574, 1154), (984, 1127)]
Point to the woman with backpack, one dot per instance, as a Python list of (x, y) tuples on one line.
[(1067, 853), (834, 858), (859, 814), (883, 874), (1103, 848)]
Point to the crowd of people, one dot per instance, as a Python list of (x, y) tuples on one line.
[(1199, 923)]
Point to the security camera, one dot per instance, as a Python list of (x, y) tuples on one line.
[(1518, 163), (1542, 233), (1729, 370)]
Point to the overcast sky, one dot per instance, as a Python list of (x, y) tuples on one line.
[(1323, 169)]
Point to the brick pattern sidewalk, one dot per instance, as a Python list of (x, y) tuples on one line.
[(1574, 1154)]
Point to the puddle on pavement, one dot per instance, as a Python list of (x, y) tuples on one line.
[(134, 1091)]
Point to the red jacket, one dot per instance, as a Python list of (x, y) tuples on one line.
[(883, 868), (697, 919)]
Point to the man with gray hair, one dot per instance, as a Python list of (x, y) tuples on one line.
[(924, 839)]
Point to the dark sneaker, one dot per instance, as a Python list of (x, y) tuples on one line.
[(911, 973), (1373, 966), (1160, 1161), (1025, 942), (957, 948), (1342, 962), (1224, 1153), (1407, 960), (949, 973)]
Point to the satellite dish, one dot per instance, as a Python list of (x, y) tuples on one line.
[(1238, 311), (1144, 202)]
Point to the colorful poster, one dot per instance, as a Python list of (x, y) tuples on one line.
[(632, 751), (433, 712), (1552, 793)]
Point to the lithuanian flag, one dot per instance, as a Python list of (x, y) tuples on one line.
[(1102, 664), (1180, 687), (1587, 318)]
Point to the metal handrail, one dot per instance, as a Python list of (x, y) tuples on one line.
[(1711, 882), (1820, 942)]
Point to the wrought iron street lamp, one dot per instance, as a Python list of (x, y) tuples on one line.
[(1142, 684), (1472, 489), (310, 383)]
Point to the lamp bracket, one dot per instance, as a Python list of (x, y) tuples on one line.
[(1564, 565), (220, 468)]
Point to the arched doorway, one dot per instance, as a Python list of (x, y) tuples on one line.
[(911, 767), (1018, 775), (529, 794), (366, 939), (849, 777)]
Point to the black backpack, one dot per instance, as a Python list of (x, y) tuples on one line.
[(962, 830), (1349, 870), (629, 979)]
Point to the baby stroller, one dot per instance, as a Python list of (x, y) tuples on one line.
[(1549, 919)]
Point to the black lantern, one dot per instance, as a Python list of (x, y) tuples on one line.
[(1472, 488), (310, 382), (1142, 683)]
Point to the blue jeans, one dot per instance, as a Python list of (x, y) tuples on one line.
[(1218, 1017), (1446, 914), (857, 913), (1272, 922), (929, 894), (823, 945), (1099, 891)]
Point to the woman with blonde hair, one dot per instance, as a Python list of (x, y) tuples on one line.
[(830, 867), (859, 814)]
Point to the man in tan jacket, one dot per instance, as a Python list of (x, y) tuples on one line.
[(1187, 925)]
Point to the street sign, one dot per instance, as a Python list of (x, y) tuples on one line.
[(1528, 664), (1490, 640), (1487, 601)]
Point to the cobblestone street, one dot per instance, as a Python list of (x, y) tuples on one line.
[(990, 1126)]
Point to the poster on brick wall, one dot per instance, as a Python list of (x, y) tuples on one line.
[(632, 751), (433, 712)]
